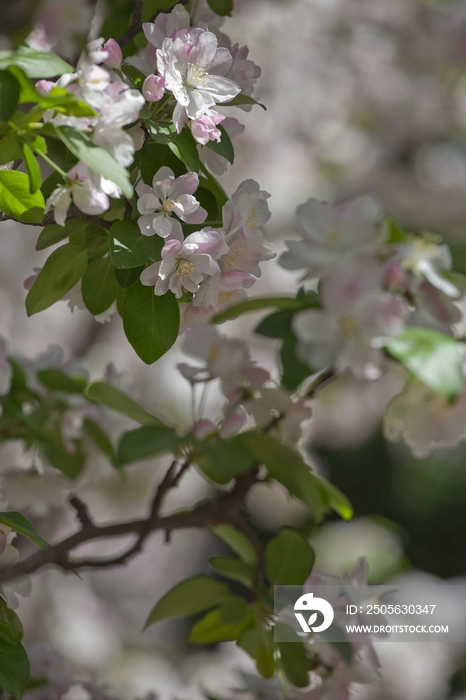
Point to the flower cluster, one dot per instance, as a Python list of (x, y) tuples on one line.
[(116, 105), (210, 268), (251, 395), (374, 281)]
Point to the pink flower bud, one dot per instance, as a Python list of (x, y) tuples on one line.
[(153, 88), (43, 87), (115, 56)]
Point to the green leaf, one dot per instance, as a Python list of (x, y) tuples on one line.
[(258, 642), (7, 633), (286, 466), (9, 149), (20, 524), (17, 201), (243, 100), (154, 156), (100, 438), (9, 95), (234, 569), (259, 303), (14, 668), (147, 441), (288, 558), (224, 624), (126, 278), (295, 663), (151, 323), (191, 596), (113, 398), (99, 285), (58, 98), (161, 133), (223, 460), (36, 64), (12, 619), (393, 232), (221, 7), (54, 233), (134, 74), (238, 542), (224, 147), (130, 248), (32, 166), (61, 271), (59, 381), (185, 148), (96, 158), (434, 358)]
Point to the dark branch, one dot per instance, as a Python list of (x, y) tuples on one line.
[(223, 509), (136, 25)]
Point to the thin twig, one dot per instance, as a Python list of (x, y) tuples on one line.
[(136, 25)]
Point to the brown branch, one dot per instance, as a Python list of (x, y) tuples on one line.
[(136, 25), (223, 509)]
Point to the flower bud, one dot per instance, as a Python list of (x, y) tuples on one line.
[(153, 88), (115, 56)]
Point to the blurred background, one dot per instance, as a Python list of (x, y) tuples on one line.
[(362, 96)]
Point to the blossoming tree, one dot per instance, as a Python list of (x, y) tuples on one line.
[(131, 140)]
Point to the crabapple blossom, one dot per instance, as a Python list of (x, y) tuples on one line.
[(153, 88), (88, 190), (223, 358), (115, 56), (193, 67), (185, 263), (39, 40), (243, 71), (166, 25), (355, 319), (426, 259), (204, 127), (167, 196), (275, 405), (330, 231), (424, 419)]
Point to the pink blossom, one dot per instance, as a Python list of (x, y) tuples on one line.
[(223, 358), (166, 25), (356, 317), (204, 127), (193, 67), (168, 196), (329, 232), (184, 265), (153, 88), (424, 419), (43, 87), (115, 56), (39, 40)]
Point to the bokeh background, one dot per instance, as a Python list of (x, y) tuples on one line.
[(362, 96)]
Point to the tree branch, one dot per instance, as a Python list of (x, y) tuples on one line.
[(223, 509), (136, 25)]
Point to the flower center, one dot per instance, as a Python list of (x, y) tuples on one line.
[(185, 268), (252, 219), (333, 238), (349, 326), (194, 77), (235, 256), (168, 206)]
